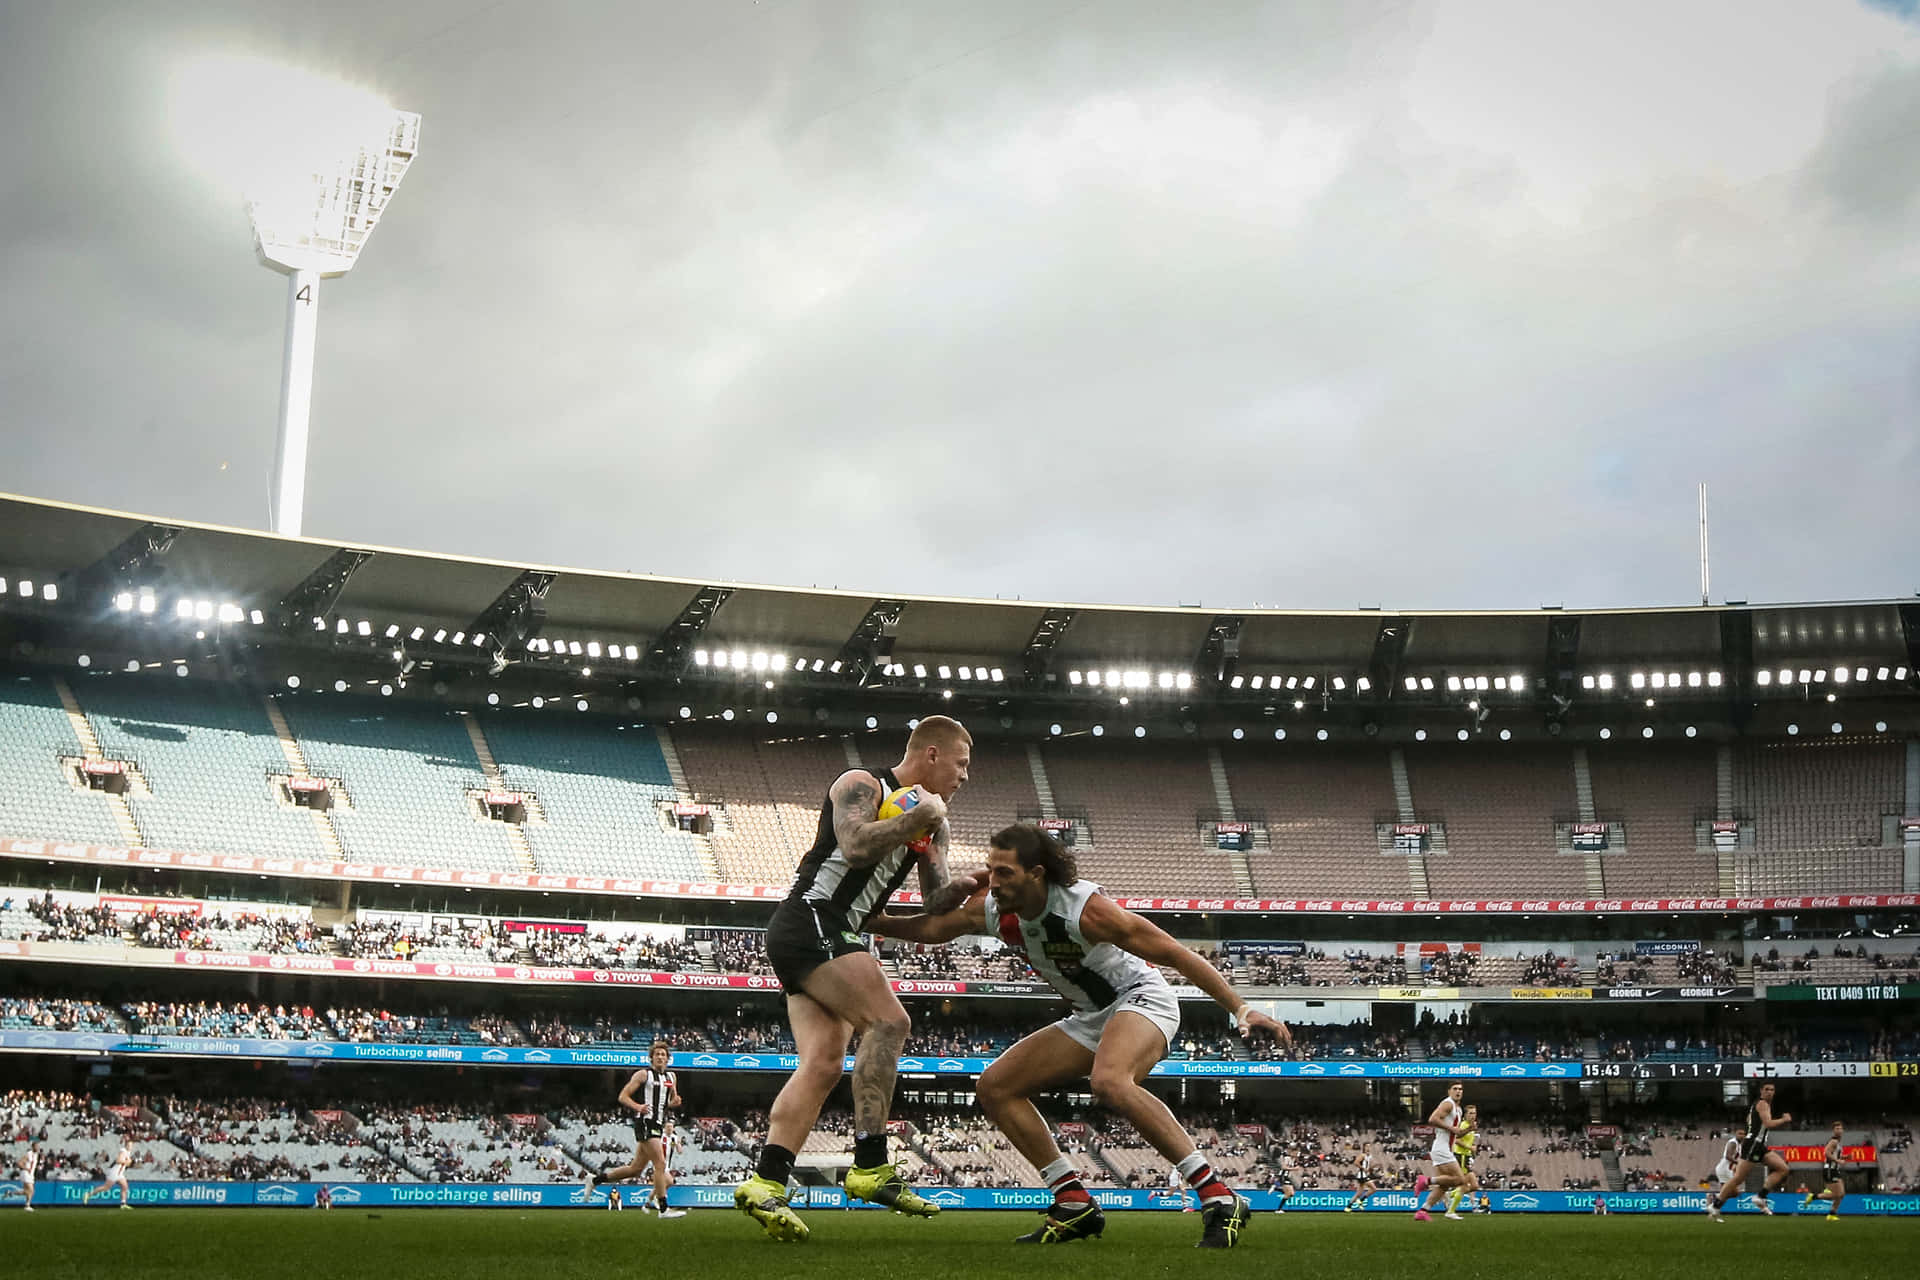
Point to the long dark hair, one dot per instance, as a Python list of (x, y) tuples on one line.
[(1033, 847)]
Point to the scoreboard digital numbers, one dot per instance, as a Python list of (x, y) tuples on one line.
[(1749, 1070), (1667, 1070)]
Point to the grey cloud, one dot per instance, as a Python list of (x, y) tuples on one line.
[(1127, 302), (1866, 164)]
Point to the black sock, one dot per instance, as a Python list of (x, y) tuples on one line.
[(776, 1164), (870, 1149)]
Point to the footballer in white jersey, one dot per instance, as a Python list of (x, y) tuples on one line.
[(29, 1170), (116, 1174), (1103, 960), (1728, 1155), (1449, 1120)]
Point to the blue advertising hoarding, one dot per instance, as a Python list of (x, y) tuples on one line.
[(521, 1055), (571, 1195)]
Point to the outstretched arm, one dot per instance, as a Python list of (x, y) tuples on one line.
[(1103, 920), (931, 930), (864, 838)]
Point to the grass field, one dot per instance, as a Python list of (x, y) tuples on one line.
[(427, 1244)]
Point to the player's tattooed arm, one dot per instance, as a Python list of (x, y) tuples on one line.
[(940, 890), (863, 836)]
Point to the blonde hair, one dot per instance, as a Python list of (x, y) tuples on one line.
[(937, 731)]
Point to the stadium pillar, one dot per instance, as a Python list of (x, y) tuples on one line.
[(296, 402)]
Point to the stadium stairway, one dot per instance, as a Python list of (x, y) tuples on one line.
[(1041, 787), (1584, 809), (90, 743), (1616, 1176), (1418, 885), (1237, 861), (678, 776), (1114, 1175), (1723, 811), (297, 767), (522, 851)]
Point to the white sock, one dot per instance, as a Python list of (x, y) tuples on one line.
[(1192, 1162), (1057, 1170)]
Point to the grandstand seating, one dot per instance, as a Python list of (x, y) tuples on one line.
[(36, 797), (1817, 794), (406, 771), (259, 1022), (1659, 792), (482, 1149), (971, 1152), (27, 1013), (1499, 806), (1143, 804), (205, 755), (1816, 809), (600, 790), (1319, 810), (246, 1138), (999, 791), (766, 796)]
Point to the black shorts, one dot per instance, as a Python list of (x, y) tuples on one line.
[(802, 936), (646, 1130), (1753, 1150), (1829, 1173)]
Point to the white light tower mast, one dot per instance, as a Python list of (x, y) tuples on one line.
[(312, 231)]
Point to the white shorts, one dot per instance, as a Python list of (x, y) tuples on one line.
[(1723, 1172), (1442, 1154), (1153, 1001)]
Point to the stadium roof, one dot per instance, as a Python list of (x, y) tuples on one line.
[(1035, 643)]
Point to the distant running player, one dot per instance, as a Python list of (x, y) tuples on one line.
[(835, 986), (1729, 1156), (116, 1174), (1463, 1147), (1283, 1184), (1755, 1152), (1366, 1180), (1102, 959), (1448, 1121), (29, 1170), (1833, 1187), (652, 1095)]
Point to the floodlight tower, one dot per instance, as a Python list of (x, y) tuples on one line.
[(314, 230)]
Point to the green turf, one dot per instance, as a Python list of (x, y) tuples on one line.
[(425, 1244)]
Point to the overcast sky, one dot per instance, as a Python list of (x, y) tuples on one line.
[(1422, 304)]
